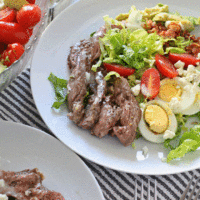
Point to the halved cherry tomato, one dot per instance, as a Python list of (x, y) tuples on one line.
[(31, 1), (2, 47), (188, 59), (7, 15), (150, 83), (29, 15), (12, 53), (11, 32), (120, 69), (165, 67)]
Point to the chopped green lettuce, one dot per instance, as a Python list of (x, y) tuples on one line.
[(110, 21), (60, 88), (189, 141), (134, 19), (194, 20), (134, 49), (109, 74)]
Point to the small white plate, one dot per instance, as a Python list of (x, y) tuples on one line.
[(73, 24), (23, 147)]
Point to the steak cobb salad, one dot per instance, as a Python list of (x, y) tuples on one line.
[(138, 75)]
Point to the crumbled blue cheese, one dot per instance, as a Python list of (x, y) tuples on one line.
[(174, 104), (179, 64), (3, 197), (136, 90), (168, 134)]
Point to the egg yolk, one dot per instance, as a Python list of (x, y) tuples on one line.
[(169, 90), (156, 118)]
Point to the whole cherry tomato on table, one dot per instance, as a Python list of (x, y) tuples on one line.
[(29, 15), (150, 83), (7, 15), (11, 32), (120, 69), (188, 59), (165, 67), (12, 53)]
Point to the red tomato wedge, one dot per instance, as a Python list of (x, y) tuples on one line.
[(188, 59), (120, 69), (12, 53), (29, 15), (165, 67), (7, 15), (150, 83)]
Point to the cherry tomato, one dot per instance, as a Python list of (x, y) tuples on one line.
[(12, 53), (30, 31), (165, 67), (29, 15), (31, 1), (11, 32), (2, 47), (120, 69), (188, 59), (7, 15), (150, 83)]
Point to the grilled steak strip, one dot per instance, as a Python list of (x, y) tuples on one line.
[(90, 46), (130, 115), (26, 185), (80, 61), (108, 117), (77, 89), (92, 113)]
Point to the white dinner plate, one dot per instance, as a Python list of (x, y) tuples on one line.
[(23, 147), (75, 23)]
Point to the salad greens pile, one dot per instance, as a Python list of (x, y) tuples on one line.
[(133, 47)]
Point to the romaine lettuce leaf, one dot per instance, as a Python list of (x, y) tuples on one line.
[(187, 146), (189, 141)]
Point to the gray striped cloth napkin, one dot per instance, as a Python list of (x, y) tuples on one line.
[(17, 105)]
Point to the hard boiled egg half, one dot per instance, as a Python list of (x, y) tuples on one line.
[(181, 95), (157, 120)]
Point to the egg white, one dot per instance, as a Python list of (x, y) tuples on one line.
[(186, 100), (150, 135)]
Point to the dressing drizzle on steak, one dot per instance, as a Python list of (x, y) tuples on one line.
[(26, 185), (117, 113)]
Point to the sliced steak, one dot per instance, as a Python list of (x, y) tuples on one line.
[(26, 185), (90, 46), (130, 112), (92, 113), (108, 117), (75, 52), (95, 51), (77, 89)]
